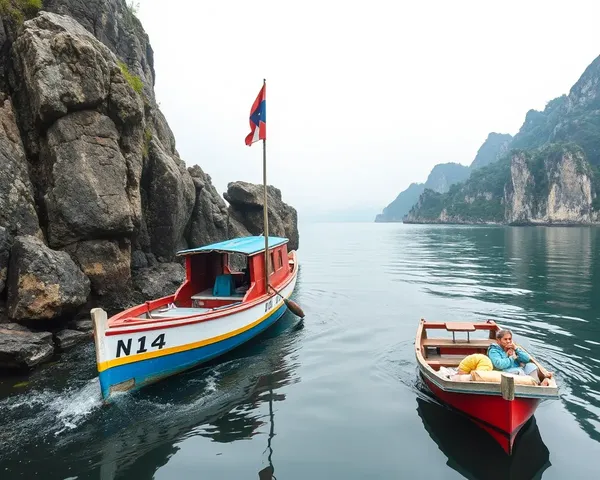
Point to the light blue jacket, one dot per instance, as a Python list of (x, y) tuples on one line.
[(502, 361)]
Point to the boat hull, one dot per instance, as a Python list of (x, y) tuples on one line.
[(131, 358), (472, 452), (501, 418), (136, 375)]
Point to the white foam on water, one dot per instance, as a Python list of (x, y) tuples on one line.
[(211, 383), (73, 407), (38, 413)]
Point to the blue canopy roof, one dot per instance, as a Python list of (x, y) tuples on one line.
[(244, 245)]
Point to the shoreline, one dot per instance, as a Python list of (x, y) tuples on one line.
[(504, 224)]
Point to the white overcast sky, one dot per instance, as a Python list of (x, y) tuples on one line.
[(363, 98)]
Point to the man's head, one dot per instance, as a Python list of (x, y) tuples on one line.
[(504, 339)]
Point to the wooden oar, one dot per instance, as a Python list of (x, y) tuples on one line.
[(541, 368), (293, 306)]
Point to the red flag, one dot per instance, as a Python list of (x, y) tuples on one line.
[(258, 118)]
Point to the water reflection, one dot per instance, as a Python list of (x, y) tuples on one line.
[(243, 423), (542, 282), (140, 432), (475, 455), (268, 472)]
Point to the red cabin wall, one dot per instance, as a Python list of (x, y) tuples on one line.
[(279, 260)]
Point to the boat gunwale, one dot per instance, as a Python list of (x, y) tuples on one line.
[(474, 387), (136, 324)]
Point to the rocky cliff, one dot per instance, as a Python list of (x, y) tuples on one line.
[(549, 175), (246, 207), (95, 199), (550, 186)]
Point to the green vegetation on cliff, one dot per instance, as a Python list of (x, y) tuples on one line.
[(596, 186), (134, 81), (430, 205), (19, 10), (538, 126), (585, 132), (478, 199), (564, 120)]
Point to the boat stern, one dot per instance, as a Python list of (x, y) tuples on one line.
[(100, 322)]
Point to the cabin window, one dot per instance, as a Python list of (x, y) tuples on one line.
[(280, 257), (271, 263)]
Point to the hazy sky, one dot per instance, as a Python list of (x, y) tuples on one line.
[(363, 98)]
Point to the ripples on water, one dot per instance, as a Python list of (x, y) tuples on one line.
[(343, 384)]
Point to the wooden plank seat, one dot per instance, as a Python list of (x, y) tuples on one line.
[(448, 343), (172, 312), (444, 360), (208, 295)]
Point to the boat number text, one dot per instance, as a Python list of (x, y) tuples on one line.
[(269, 304), (124, 347)]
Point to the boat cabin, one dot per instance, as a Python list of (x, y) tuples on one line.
[(230, 272), (218, 276)]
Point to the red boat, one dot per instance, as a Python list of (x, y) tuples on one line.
[(501, 403)]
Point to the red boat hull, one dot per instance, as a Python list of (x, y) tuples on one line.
[(502, 419)]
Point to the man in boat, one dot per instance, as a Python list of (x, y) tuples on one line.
[(510, 358)]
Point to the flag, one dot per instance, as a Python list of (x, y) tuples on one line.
[(258, 118)]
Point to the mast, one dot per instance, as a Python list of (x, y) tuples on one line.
[(265, 210)]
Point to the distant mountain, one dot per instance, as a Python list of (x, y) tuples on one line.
[(440, 179), (396, 210), (444, 175), (494, 147)]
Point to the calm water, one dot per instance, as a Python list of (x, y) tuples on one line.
[(337, 396)]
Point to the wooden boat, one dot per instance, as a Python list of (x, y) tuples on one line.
[(500, 405), (216, 309)]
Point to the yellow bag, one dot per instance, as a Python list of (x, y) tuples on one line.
[(475, 361)]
